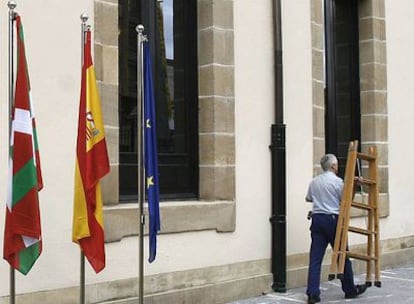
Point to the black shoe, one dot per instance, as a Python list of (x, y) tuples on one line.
[(312, 299), (359, 289)]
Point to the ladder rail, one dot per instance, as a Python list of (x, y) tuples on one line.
[(375, 215), (341, 237)]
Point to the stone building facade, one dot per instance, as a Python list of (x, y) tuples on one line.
[(216, 247)]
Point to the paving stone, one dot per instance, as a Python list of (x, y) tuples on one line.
[(397, 286)]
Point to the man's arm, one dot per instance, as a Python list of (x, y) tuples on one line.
[(308, 196)]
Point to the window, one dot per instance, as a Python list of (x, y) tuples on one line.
[(342, 92), (171, 27)]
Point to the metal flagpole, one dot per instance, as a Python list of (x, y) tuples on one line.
[(12, 5), (84, 17), (140, 156)]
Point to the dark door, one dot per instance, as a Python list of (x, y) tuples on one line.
[(342, 98)]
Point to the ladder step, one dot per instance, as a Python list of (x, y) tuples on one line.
[(366, 156), (361, 231), (365, 181), (360, 256), (362, 206)]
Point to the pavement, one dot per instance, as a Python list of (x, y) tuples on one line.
[(397, 287)]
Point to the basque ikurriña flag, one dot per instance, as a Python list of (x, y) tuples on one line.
[(151, 156), (92, 164), (22, 233)]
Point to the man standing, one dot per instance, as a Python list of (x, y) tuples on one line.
[(325, 192)]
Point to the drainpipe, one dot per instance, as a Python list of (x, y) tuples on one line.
[(278, 163)]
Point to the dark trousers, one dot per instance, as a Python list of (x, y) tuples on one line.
[(323, 229)]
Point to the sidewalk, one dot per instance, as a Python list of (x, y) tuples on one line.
[(397, 287)]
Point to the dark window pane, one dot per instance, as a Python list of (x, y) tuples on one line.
[(171, 29)]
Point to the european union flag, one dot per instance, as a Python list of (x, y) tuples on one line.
[(150, 155)]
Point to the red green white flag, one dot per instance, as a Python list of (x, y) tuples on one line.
[(22, 233)]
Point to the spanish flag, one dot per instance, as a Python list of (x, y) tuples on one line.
[(91, 165), (22, 233)]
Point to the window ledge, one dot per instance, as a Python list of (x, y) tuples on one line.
[(122, 220)]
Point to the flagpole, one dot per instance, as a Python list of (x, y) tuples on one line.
[(12, 5), (140, 156), (84, 18)]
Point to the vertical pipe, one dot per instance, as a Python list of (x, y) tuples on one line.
[(12, 6), (84, 19), (140, 156), (278, 163)]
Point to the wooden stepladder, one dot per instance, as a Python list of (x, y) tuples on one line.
[(370, 210)]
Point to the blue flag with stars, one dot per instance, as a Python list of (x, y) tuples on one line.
[(151, 156)]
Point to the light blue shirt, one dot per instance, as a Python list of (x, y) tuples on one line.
[(325, 192)]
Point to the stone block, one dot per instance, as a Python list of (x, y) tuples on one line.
[(384, 205), (109, 1), (318, 122), (366, 51), (216, 80), (382, 180), (116, 289), (109, 65), (317, 11), (373, 76), (106, 23), (317, 36), (317, 65), (122, 221), (205, 14), (223, 13), (112, 144), (98, 61), (371, 8), (216, 114), (374, 128), (318, 93), (382, 152), (217, 182), (372, 28), (206, 46), (372, 51), (110, 186), (217, 149), (318, 152), (216, 46), (109, 103), (200, 216), (228, 291), (212, 13), (374, 102)]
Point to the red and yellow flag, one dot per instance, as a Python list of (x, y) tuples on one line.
[(91, 165), (22, 232)]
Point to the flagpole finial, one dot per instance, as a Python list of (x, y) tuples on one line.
[(140, 28), (12, 4), (84, 17)]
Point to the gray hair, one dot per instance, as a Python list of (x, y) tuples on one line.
[(327, 161)]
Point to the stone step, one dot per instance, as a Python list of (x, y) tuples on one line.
[(223, 292), (123, 301)]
